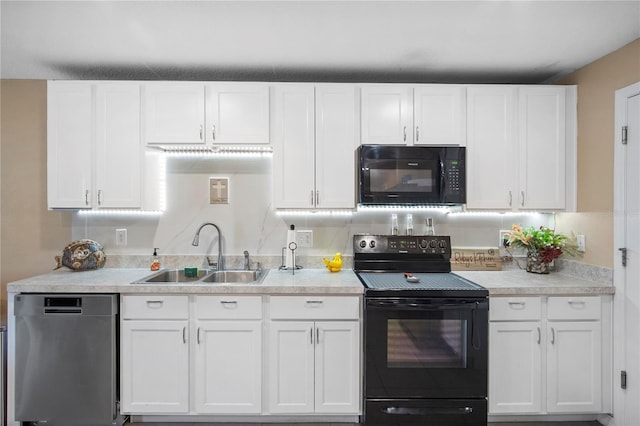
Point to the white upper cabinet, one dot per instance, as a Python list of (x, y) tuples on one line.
[(69, 145), (491, 147), (174, 113), (314, 142), (237, 113), (387, 114), (179, 113), (521, 148), (542, 145), (94, 157), (439, 115), (397, 114)]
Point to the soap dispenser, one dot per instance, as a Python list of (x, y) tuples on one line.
[(155, 260)]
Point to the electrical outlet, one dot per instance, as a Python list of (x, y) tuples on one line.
[(304, 238), (582, 244), (121, 237), (502, 237)]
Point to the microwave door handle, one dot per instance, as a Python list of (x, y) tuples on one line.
[(442, 176)]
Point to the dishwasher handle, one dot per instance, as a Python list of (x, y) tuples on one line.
[(63, 305)]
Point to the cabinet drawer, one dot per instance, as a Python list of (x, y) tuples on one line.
[(155, 307), (314, 307), (514, 308), (229, 307), (574, 308)]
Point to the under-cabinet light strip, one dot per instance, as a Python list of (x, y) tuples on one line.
[(113, 212), (314, 213)]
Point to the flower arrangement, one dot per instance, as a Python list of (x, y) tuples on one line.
[(543, 245)]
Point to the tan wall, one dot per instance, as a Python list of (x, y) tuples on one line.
[(31, 235), (597, 83)]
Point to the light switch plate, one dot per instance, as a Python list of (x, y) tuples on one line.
[(121, 237), (582, 243), (218, 190)]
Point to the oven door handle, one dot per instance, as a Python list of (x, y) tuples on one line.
[(421, 411), (416, 305)]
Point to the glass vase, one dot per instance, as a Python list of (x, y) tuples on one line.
[(536, 265)]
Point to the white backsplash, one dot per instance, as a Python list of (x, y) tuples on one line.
[(249, 222)]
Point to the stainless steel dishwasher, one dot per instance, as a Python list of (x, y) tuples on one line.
[(66, 365)]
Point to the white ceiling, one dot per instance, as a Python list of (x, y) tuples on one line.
[(386, 41)]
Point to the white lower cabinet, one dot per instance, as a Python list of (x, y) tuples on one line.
[(160, 333), (314, 355), (545, 355)]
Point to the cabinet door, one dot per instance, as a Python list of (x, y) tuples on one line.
[(154, 367), (293, 146), (515, 367), (69, 145), (337, 360), (542, 145), (228, 373), (174, 113), (291, 366), (237, 114), (335, 147), (491, 148), (118, 159), (387, 114), (574, 367), (439, 115)]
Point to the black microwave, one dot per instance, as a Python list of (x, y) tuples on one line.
[(411, 175)]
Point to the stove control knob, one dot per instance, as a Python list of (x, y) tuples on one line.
[(363, 244), (423, 244), (372, 244), (442, 244), (432, 243)]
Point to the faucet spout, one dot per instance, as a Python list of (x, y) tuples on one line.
[(247, 263), (196, 241)]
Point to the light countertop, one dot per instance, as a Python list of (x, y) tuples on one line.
[(304, 281)]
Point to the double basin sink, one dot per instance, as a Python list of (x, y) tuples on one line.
[(178, 276)]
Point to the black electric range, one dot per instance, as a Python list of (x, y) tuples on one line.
[(425, 334)]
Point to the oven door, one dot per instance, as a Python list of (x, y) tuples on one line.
[(426, 348)]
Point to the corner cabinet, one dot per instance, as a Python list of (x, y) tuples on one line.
[(521, 148), (94, 152), (314, 143), (546, 355), (314, 355), (195, 113), (396, 114)]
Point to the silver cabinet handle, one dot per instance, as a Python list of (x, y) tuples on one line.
[(314, 302), (317, 336), (577, 303), (184, 334), (229, 302), (99, 197), (86, 197), (198, 336), (417, 133), (522, 192), (404, 130), (553, 336), (510, 198), (312, 197), (213, 132), (539, 335), (201, 132), (514, 304), (317, 198), (311, 334), (155, 304)]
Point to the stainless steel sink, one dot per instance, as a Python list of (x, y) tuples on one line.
[(169, 276), (236, 276), (172, 276)]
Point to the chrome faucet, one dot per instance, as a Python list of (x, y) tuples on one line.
[(196, 240), (247, 263)]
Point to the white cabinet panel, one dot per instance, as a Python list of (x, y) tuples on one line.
[(69, 145), (439, 115), (174, 113), (515, 367), (228, 375), (291, 367), (387, 114), (154, 361), (237, 113)]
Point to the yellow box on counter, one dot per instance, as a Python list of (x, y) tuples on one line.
[(476, 259)]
